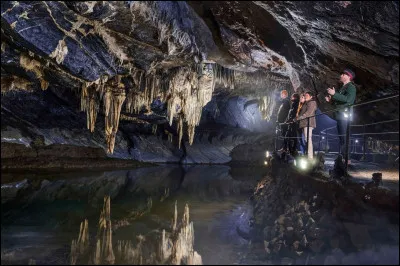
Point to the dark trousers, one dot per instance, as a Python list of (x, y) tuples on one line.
[(341, 128), (284, 130), (291, 138)]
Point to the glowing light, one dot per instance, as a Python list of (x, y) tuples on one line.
[(265, 162), (323, 137), (267, 154), (303, 164), (356, 140), (294, 163)]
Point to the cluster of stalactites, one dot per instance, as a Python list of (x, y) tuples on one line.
[(224, 76), (265, 86), (144, 90), (190, 89), (266, 106), (114, 97)]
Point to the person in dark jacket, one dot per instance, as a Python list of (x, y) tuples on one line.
[(282, 115), (341, 100), (291, 134), (308, 110), (302, 142)]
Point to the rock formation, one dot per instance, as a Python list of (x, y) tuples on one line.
[(162, 62)]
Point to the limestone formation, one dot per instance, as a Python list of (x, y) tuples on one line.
[(175, 247)]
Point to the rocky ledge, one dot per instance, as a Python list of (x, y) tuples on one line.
[(322, 221)]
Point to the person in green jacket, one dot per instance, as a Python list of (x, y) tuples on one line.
[(341, 100)]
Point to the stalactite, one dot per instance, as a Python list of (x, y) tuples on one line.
[(180, 131), (113, 101), (90, 104), (191, 88)]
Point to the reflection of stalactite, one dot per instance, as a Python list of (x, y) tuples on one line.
[(104, 250), (174, 247), (80, 246)]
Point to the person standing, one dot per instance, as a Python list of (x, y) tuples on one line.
[(299, 130), (308, 110), (341, 100), (291, 134), (281, 117)]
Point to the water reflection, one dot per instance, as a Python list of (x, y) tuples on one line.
[(40, 223)]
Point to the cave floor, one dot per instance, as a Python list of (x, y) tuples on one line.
[(361, 171)]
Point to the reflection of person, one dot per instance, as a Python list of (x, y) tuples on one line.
[(341, 100), (282, 115), (291, 134), (308, 109)]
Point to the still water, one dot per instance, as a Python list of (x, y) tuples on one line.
[(39, 227)]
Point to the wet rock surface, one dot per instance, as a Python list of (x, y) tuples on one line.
[(322, 222)]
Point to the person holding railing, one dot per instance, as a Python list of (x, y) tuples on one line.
[(307, 120), (341, 100)]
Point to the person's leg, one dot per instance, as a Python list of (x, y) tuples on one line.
[(310, 152), (283, 134), (310, 145), (301, 141), (341, 128), (293, 140)]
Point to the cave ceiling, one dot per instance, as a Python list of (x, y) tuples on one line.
[(118, 56)]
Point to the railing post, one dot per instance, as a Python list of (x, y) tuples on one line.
[(326, 141), (364, 145), (346, 150), (319, 142), (308, 129), (276, 136)]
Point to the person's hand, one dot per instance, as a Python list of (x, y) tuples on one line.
[(328, 98), (331, 91)]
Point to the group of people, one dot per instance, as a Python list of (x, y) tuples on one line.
[(296, 118)]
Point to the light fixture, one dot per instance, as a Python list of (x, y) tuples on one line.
[(323, 137), (265, 163), (303, 164), (356, 140)]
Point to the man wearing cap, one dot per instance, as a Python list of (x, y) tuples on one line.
[(341, 100)]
